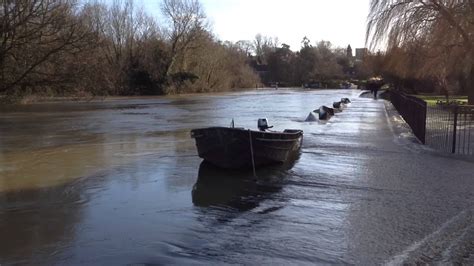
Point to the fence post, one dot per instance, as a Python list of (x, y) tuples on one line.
[(455, 126), (423, 123)]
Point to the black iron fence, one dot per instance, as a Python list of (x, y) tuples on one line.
[(450, 128), (445, 127), (413, 110)]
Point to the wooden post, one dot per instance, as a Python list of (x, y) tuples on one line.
[(251, 154)]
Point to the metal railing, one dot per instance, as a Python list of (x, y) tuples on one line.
[(450, 128), (445, 127), (413, 111)]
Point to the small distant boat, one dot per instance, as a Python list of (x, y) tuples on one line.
[(236, 148)]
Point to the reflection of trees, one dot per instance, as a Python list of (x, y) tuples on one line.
[(49, 166), (39, 222)]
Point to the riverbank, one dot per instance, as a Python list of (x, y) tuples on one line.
[(38, 99), (35, 99)]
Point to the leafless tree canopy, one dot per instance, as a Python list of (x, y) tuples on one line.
[(426, 39), (98, 47), (34, 33), (69, 47)]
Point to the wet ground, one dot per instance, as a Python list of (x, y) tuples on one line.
[(119, 182)]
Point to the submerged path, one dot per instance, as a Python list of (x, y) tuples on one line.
[(120, 183), (403, 202)]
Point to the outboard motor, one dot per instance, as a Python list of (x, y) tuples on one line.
[(263, 124)]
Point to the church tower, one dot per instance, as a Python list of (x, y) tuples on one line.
[(349, 51)]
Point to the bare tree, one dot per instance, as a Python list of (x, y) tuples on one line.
[(220, 67), (264, 46), (326, 62), (125, 32), (186, 23), (96, 48), (444, 27), (246, 47), (32, 33)]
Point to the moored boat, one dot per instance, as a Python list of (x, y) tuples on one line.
[(235, 148)]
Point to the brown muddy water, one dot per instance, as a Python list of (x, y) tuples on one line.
[(119, 182)]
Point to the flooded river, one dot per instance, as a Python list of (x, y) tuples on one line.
[(119, 182)]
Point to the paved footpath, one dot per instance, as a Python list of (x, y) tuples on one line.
[(425, 212)]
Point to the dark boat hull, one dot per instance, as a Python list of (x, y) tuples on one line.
[(231, 147)]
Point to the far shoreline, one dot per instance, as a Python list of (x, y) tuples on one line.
[(36, 100)]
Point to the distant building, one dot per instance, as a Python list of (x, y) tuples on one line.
[(361, 53)]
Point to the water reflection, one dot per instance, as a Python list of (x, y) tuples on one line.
[(237, 189), (216, 187), (36, 224)]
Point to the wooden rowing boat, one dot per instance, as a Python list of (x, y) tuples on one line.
[(236, 148)]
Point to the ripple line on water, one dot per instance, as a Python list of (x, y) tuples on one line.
[(438, 246)]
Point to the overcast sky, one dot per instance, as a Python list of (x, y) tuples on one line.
[(341, 22)]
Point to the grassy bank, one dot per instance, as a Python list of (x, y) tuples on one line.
[(37, 99), (433, 99)]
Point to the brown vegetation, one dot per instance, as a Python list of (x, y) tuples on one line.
[(320, 64), (91, 48), (429, 44), (63, 47)]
